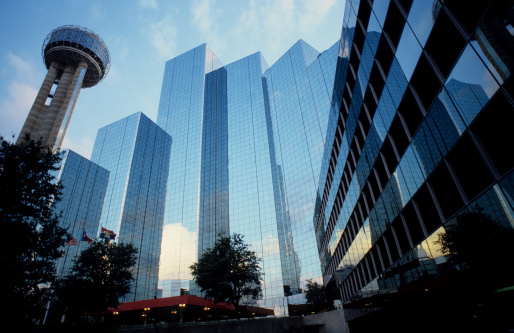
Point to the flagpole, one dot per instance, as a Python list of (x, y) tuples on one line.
[(56, 275)]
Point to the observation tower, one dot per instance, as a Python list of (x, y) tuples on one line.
[(75, 58)]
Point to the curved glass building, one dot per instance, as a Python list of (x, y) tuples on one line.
[(415, 211)]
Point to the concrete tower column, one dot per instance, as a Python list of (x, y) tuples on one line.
[(57, 102), (60, 123), (35, 114)]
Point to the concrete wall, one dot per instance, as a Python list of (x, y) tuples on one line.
[(325, 322), (328, 322)]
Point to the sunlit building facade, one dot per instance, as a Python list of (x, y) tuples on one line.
[(136, 153), (84, 186), (416, 154), (248, 143)]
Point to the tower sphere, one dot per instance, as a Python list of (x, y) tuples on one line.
[(70, 45)]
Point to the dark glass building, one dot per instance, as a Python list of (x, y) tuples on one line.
[(136, 152), (414, 213)]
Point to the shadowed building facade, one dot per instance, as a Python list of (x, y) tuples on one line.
[(76, 58), (84, 186), (416, 152)]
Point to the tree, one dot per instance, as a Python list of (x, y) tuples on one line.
[(476, 240), (478, 246), (100, 276), (31, 236), (229, 271), (315, 294)]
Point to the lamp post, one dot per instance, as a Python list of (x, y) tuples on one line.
[(181, 308), (207, 309), (145, 313)]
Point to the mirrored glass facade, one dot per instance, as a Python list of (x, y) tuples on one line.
[(136, 152), (415, 155), (246, 155), (84, 186)]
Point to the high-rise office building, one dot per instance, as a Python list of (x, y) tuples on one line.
[(416, 167), (136, 152), (84, 186), (75, 58), (248, 142)]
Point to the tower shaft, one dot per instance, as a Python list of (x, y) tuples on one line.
[(50, 121)]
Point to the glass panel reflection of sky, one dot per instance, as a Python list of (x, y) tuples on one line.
[(135, 151), (251, 142), (421, 20), (408, 52), (84, 185)]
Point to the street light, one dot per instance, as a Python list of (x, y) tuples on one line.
[(181, 308), (144, 314)]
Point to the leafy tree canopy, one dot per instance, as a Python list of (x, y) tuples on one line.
[(475, 240), (229, 271), (31, 236), (315, 294), (100, 276)]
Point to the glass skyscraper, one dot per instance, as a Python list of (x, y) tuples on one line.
[(84, 186), (416, 153), (248, 143), (136, 152)]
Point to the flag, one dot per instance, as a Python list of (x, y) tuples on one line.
[(70, 240), (86, 237), (107, 234)]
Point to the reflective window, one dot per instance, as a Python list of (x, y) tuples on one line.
[(380, 10), (480, 75), (421, 20), (408, 52), (373, 24)]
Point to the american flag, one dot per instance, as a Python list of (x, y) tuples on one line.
[(71, 241)]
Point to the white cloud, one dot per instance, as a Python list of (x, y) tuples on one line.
[(15, 108), (163, 36), (314, 13), (83, 147), (22, 91), (206, 20), (98, 13), (149, 4), (202, 15), (22, 68), (179, 251)]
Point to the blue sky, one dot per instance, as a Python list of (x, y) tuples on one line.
[(141, 36)]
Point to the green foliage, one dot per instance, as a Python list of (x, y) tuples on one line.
[(229, 271), (476, 241), (315, 294), (100, 276), (31, 236)]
